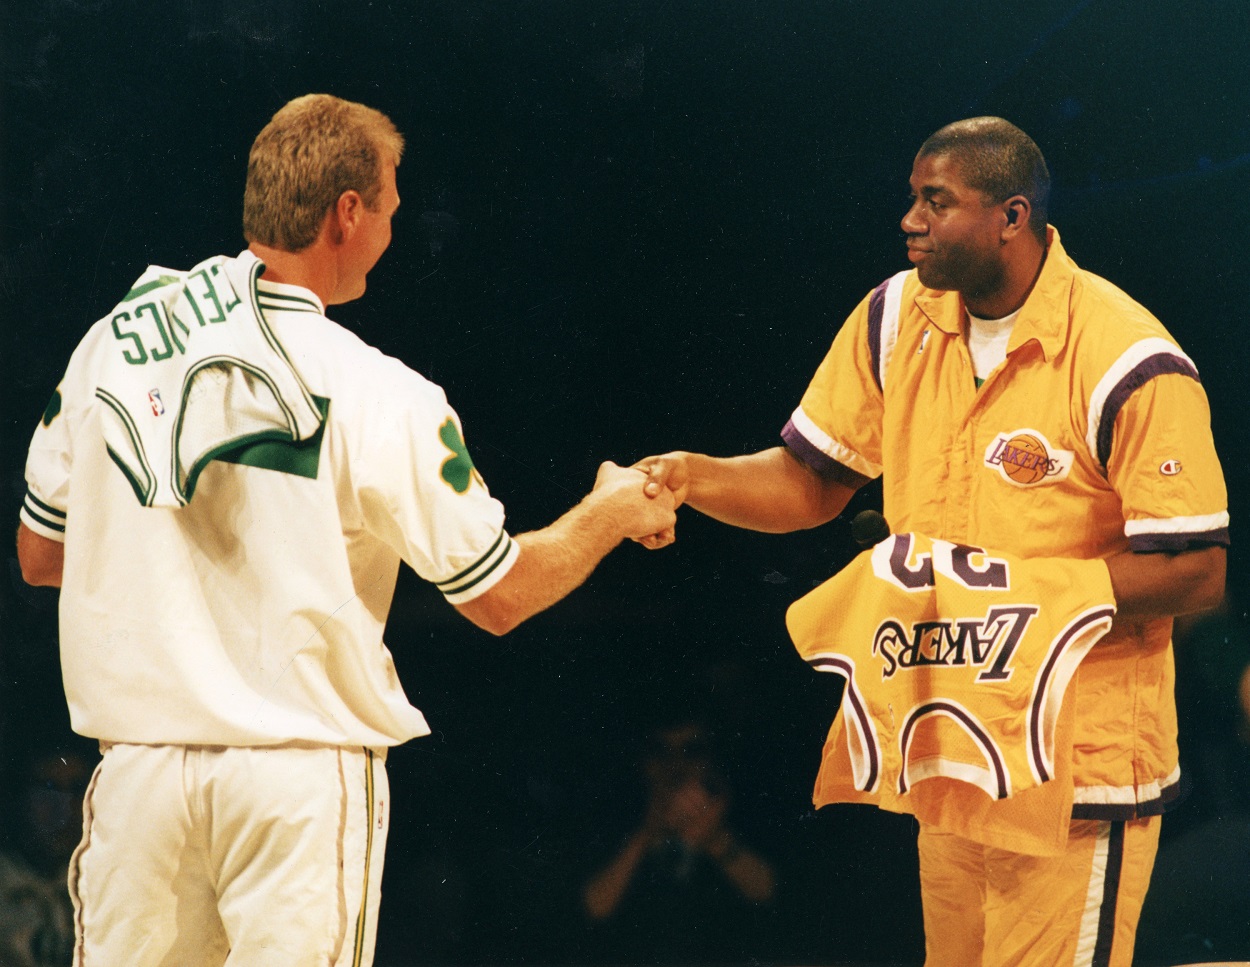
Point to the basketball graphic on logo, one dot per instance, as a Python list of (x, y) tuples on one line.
[(1025, 459)]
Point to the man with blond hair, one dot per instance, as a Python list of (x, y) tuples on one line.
[(223, 486)]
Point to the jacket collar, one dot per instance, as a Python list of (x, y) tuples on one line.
[(1043, 318)]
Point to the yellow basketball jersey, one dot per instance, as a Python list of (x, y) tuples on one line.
[(956, 663)]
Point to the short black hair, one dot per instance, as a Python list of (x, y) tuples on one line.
[(997, 159)]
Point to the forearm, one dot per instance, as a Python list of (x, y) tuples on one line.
[(42, 560), (552, 562), (555, 560), (560, 557), (605, 890), (751, 875), (768, 491), (1163, 585)]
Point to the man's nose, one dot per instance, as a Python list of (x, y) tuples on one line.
[(913, 223)]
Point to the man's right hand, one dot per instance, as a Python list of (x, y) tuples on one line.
[(620, 491), (668, 472)]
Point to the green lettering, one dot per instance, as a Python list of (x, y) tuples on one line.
[(166, 321), (186, 290), (212, 294), (175, 321), (135, 359), (167, 350), (237, 298)]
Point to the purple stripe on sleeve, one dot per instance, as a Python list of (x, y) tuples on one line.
[(1175, 543), (807, 451), (1150, 367), (876, 311), (825, 465)]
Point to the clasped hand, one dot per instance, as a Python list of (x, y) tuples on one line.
[(642, 500), (669, 474)]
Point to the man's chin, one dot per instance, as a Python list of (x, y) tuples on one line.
[(931, 279), (347, 295)]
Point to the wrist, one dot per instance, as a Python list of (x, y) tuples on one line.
[(696, 476), (596, 519)]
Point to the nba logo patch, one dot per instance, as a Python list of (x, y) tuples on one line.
[(154, 400), (1026, 458)]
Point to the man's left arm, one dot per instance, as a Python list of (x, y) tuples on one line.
[(41, 558), (1162, 462), (1163, 585)]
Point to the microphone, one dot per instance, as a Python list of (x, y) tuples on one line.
[(869, 528)]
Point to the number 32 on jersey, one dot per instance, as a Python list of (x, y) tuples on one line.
[(987, 641)]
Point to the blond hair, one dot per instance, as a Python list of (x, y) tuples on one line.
[(315, 148)]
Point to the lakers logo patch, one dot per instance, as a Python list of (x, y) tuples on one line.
[(1026, 458)]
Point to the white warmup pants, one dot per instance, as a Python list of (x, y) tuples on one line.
[(248, 857)]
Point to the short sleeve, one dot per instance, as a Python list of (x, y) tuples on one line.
[(1161, 460), (420, 493), (48, 465), (837, 425)]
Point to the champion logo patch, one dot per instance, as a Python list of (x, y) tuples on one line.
[(1170, 468), (1026, 458)]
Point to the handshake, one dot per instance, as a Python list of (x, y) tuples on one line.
[(642, 500)]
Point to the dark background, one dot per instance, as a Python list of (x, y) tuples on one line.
[(626, 227)]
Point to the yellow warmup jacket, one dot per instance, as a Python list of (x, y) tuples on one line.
[(1092, 438)]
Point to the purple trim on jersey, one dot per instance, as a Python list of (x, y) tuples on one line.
[(987, 745), (1110, 891), (808, 452), (1175, 543), (1043, 681), (1157, 365), (1169, 796), (876, 313), (843, 667)]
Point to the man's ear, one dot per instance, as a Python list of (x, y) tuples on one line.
[(345, 216), (1016, 211)]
